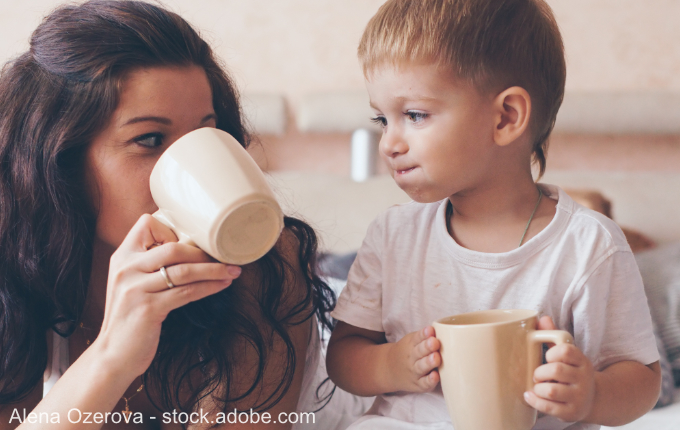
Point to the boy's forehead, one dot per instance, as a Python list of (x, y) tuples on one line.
[(412, 81), (417, 70)]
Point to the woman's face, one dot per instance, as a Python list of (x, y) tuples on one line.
[(157, 106)]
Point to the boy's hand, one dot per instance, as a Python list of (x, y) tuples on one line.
[(416, 358), (565, 387)]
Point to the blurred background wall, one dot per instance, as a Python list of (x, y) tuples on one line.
[(295, 47), (623, 59)]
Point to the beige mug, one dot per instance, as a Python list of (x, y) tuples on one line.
[(488, 362), (212, 194)]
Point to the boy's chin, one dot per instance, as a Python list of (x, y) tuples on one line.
[(422, 196)]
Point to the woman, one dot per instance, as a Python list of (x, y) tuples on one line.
[(105, 88)]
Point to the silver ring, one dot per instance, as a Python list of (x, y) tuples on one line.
[(166, 277)]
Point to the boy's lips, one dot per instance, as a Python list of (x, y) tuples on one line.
[(403, 171)]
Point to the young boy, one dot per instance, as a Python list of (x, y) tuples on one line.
[(467, 92)]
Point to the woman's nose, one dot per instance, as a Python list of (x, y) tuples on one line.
[(392, 144)]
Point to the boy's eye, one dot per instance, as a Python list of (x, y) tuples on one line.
[(380, 120), (150, 140), (416, 117)]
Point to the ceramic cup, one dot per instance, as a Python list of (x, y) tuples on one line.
[(488, 362), (213, 195)]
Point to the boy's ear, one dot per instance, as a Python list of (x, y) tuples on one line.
[(512, 110)]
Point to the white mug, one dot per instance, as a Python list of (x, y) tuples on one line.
[(212, 194)]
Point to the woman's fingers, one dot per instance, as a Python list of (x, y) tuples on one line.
[(187, 274), (171, 254), (173, 298), (146, 232), (158, 247), (150, 246)]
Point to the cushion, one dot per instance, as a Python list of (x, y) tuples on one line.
[(336, 265), (667, 385), (637, 241), (593, 199), (660, 269)]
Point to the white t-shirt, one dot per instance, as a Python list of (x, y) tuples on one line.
[(579, 270)]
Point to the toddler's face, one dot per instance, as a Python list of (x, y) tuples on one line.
[(437, 130)]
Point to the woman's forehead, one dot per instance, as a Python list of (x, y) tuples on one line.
[(164, 91)]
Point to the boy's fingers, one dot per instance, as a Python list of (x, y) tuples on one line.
[(428, 331), (559, 372), (552, 391), (546, 323), (565, 353), (436, 359), (542, 405), (433, 344), (429, 381), (426, 364), (423, 334), (426, 347)]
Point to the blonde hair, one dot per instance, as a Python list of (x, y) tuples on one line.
[(494, 44)]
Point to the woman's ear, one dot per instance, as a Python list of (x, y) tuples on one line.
[(512, 113)]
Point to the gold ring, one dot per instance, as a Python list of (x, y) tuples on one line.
[(164, 273)]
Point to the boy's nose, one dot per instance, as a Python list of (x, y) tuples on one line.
[(392, 145)]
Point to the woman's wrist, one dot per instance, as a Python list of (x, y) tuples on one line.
[(94, 383), (104, 361)]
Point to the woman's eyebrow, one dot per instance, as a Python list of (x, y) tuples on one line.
[(158, 119), (163, 120), (209, 117)]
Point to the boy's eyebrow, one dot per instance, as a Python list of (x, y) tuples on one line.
[(419, 98), (404, 99)]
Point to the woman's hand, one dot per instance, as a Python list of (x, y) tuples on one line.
[(138, 298)]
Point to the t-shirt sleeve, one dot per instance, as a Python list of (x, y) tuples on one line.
[(360, 302), (611, 316)]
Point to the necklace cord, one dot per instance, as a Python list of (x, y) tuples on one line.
[(540, 195)]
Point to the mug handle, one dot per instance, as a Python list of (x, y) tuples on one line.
[(543, 336), (183, 238)]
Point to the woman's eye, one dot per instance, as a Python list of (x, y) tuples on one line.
[(416, 117), (380, 120), (151, 140)]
